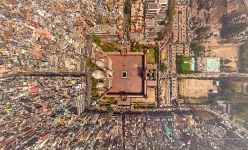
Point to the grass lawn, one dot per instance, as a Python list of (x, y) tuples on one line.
[(90, 65), (151, 56), (150, 50), (94, 91), (183, 65), (106, 47), (109, 100)]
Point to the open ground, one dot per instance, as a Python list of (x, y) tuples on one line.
[(194, 88), (224, 51), (150, 100)]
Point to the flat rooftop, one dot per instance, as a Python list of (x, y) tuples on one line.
[(128, 71)]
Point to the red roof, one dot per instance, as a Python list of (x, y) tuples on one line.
[(33, 89)]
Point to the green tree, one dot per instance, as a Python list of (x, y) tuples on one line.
[(163, 67), (226, 61), (197, 48), (202, 32)]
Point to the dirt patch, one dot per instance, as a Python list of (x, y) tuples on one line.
[(194, 88), (217, 10), (237, 86), (226, 52), (164, 54), (234, 5), (150, 100)]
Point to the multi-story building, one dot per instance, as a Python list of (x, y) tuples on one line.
[(152, 9), (180, 24), (174, 89), (181, 28), (163, 6), (137, 20), (155, 13)]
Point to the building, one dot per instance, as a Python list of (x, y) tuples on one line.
[(181, 28), (129, 71), (155, 13), (137, 25)]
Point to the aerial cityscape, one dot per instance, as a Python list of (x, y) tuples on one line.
[(124, 74)]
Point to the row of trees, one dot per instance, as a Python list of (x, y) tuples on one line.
[(197, 47), (204, 4), (243, 58), (233, 24)]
